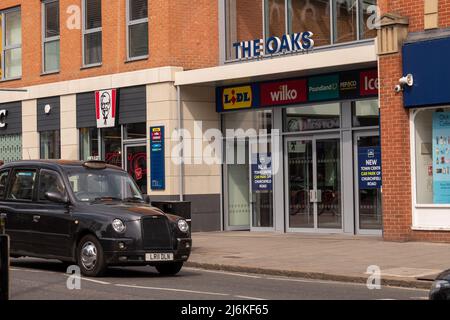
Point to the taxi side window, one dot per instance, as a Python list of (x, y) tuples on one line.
[(22, 185), (3, 183), (50, 181)]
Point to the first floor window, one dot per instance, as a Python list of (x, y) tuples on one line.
[(432, 144), (50, 144), (51, 35), (10, 44), (137, 24), (92, 32)]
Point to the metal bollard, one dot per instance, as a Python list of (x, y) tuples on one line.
[(4, 260)]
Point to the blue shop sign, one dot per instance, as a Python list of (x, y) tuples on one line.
[(428, 62), (369, 168), (261, 172), (157, 158)]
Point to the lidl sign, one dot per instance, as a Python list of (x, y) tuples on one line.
[(331, 87)]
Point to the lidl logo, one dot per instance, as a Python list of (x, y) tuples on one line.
[(237, 98)]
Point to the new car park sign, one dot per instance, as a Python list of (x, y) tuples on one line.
[(330, 87)]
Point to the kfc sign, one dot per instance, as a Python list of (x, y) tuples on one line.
[(369, 84), (285, 92), (3, 114), (105, 107)]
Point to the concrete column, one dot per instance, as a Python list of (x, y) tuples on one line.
[(30, 136)]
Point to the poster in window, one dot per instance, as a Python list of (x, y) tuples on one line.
[(441, 157)]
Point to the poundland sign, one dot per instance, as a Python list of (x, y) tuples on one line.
[(288, 43)]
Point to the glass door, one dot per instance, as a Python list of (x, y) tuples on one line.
[(136, 164), (313, 181), (368, 183)]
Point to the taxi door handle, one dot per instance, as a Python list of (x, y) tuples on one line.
[(36, 218)]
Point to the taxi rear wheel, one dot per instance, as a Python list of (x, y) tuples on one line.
[(169, 269), (90, 257)]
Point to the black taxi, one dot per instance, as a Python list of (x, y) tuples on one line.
[(88, 213)]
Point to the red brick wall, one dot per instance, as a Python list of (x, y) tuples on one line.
[(181, 33), (395, 132)]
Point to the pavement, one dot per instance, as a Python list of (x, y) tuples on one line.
[(323, 257)]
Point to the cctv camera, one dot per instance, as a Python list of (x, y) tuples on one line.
[(398, 88), (407, 80)]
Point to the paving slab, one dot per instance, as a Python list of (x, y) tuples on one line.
[(331, 257)]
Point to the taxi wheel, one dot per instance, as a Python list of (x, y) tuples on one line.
[(169, 269), (90, 257)]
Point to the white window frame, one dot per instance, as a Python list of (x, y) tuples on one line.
[(46, 40), (130, 23), (5, 48), (86, 32), (425, 217)]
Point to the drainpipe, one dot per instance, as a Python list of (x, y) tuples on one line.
[(181, 160)]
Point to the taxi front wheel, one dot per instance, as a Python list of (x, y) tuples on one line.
[(90, 257), (169, 269)]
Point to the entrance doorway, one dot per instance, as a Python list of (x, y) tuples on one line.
[(136, 164), (248, 184), (368, 196), (313, 183)]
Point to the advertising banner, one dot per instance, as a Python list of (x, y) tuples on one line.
[(261, 172), (105, 108), (157, 158), (369, 168), (441, 157)]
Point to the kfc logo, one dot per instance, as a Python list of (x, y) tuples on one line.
[(105, 104)]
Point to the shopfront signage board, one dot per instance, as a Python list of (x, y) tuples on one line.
[(157, 158), (106, 108)]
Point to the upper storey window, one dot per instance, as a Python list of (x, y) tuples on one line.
[(137, 29), (92, 32), (51, 36), (10, 44), (255, 29)]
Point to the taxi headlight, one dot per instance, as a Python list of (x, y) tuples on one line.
[(118, 226), (183, 225)]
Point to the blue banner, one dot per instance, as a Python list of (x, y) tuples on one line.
[(369, 168), (157, 159), (441, 157), (261, 172)]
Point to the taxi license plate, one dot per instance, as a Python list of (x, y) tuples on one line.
[(159, 257)]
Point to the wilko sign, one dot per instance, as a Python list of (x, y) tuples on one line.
[(237, 98), (285, 92), (369, 83), (348, 85), (105, 107)]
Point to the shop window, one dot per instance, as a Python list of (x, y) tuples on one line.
[(11, 44), (50, 144), (22, 186), (366, 113), (310, 118), (51, 35), (432, 163), (135, 131), (137, 28), (89, 144), (112, 145), (306, 15), (92, 32), (249, 121)]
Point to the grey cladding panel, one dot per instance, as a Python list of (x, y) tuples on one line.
[(86, 116), (13, 119), (132, 105), (52, 120)]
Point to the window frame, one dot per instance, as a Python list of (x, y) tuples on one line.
[(38, 191), (85, 32), (5, 48), (8, 172), (130, 23), (40, 143), (46, 40), (10, 185)]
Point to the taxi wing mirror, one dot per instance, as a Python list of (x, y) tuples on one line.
[(56, 197)]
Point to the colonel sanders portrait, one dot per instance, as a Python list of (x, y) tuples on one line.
[(105, 105)]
